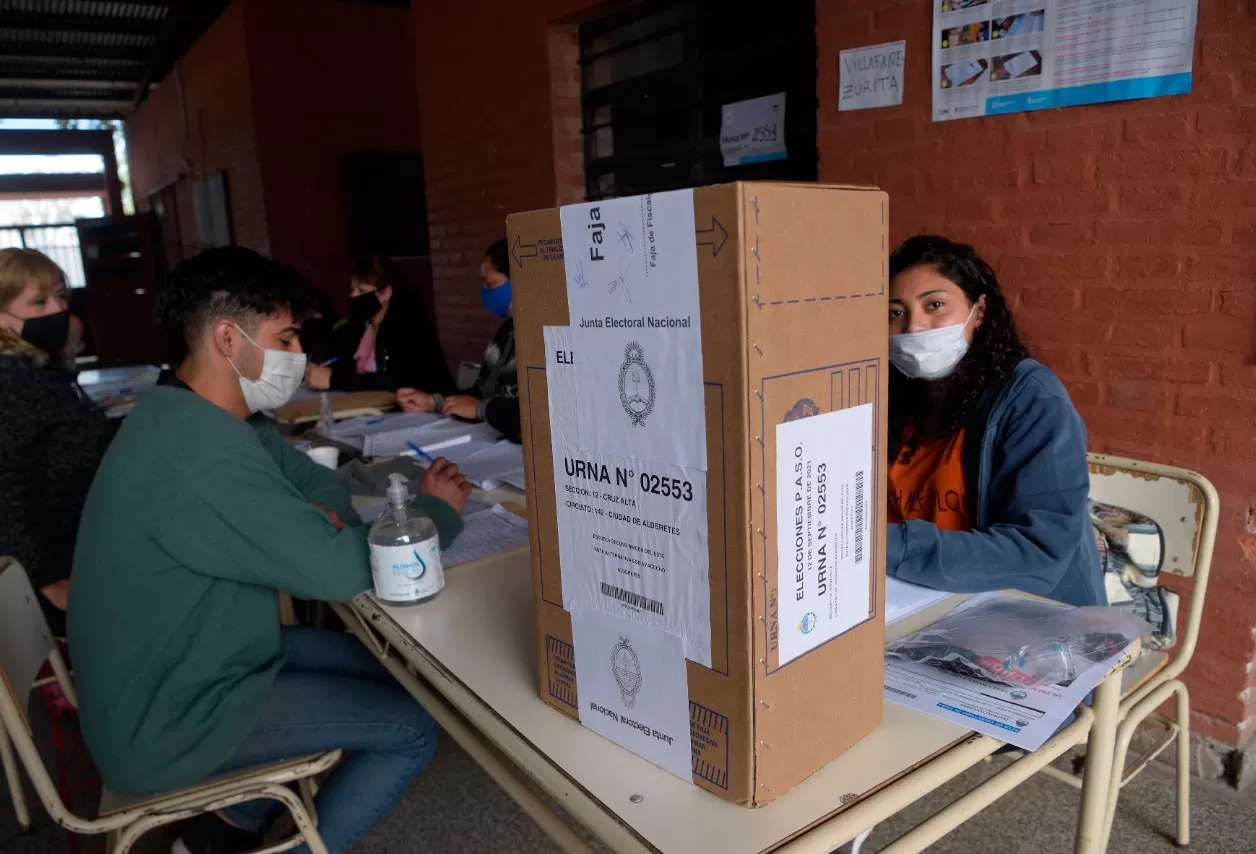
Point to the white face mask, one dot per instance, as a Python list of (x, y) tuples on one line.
[(932, 354), (282, 373)]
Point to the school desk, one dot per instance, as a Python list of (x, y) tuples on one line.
[(469, 657)]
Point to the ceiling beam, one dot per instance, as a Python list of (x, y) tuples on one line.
[(166, 50), (186, 22), (18, 108), (53, 184), (81, 23), (11, 99), (62, 83), (10, 49), (55, 141), (48, 68)]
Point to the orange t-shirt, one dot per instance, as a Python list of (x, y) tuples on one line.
[(927, 482)]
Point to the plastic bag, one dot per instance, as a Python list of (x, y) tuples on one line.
[(1021, 642)]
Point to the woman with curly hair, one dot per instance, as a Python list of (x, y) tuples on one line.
[(988, 481), (51, 436)]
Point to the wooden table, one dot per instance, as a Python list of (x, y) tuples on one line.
[(470, 658)]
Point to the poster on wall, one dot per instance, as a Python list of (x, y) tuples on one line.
[(1008, 56)]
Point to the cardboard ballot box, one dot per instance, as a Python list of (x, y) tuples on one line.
[(703, 378)]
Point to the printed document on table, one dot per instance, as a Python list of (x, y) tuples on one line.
[(632, 293), (487, 533), (515, 479), (361, 425), (903, 599), (486, 467), (1011, 56), (1025, 717), (457, 452), (634, 688), (390, 435)]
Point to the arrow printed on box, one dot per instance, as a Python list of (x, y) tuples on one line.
[(715, 236), (523, 250)]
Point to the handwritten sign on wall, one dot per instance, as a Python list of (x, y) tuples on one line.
[(871, 76)]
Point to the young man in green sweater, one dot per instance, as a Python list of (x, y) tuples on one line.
[(199, 516)]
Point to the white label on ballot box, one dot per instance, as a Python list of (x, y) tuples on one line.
[(560, 379), (633, 688), (638, 543), (632, 293), (825, 485)]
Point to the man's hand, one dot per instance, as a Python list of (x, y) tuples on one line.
[(58, 593), (413, 400), (462, 406), (444, 481), (332, 515), (318, 377)]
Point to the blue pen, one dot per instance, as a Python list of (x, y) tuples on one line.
[(333, 360), (419, 451)]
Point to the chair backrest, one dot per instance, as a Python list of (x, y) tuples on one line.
[(1185, 506), (1173, 498), (25, 641), (25, 644)]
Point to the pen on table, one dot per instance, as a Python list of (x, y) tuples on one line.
[(422, 453)]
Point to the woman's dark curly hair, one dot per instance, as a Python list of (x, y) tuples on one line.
[(941, 408)]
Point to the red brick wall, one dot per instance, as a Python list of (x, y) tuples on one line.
[(329, 78), (276, 92), (220, 133), (1126, 235), (488, 140)]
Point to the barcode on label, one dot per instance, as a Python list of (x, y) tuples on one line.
[(654, 606), (906, 694), (859, 517)]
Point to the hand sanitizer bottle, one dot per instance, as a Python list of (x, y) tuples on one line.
[(405, 551)]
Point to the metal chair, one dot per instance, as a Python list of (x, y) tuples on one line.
[(1185, 506), (25, 644)]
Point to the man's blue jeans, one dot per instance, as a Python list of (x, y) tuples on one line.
[(333, 693)]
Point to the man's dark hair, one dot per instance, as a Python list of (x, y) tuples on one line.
[(231, 282), (499, 254)]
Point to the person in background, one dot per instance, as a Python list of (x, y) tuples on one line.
[(51, 436), (200, 516), (322, 330), (494, 397), (389, 341), (988, 480), (76, 333)]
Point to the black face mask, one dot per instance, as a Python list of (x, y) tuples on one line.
[(49, 332), (364, 306)]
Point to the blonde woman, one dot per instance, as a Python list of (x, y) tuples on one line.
[(51, 436)]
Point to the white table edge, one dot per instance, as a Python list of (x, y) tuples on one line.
[(832, 829)]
